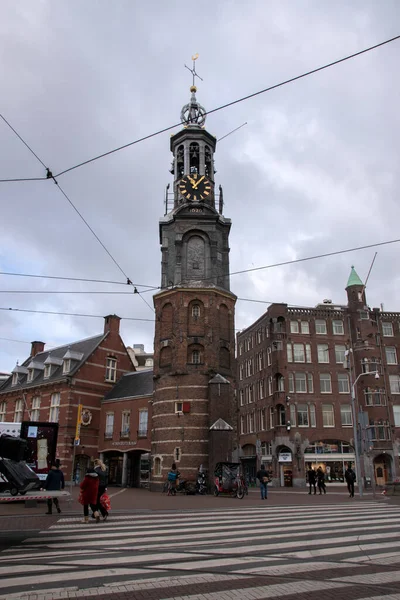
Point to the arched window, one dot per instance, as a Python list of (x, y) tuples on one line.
[(180, 161), (196, 358), (195, 311), (194, 155), (165, 356), (157, 466), (195, 354), (166, 321), (208, 161)]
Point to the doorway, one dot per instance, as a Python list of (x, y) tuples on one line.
[(382, 469), (286, 475)]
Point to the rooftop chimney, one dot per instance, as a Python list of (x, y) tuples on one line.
[(111, 324), (36, 347)]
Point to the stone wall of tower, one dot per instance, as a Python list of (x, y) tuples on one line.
[(177, 379)]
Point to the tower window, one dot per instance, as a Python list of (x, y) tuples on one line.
[(177, 454), (195, 311), (194, 154), (196, 357)]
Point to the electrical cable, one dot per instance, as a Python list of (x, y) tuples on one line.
[(49, 312), (223, 106), (17, 341), (77, 279), (116, 293), (25, 143)]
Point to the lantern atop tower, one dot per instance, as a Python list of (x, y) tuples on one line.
[(193, 114)]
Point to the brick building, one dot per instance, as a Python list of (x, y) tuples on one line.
[(193, 413), (50, 384), (124, 436), (296, 370)]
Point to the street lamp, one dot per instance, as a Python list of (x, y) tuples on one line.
[(355, 433)]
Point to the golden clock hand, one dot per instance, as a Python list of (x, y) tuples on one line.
[(190, 179), (197, 182)]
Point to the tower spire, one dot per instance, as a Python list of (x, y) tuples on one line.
[(354, 279), (193, 114)]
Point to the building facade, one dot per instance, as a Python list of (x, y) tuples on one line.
[(50, 385), (124, 437), (298, 369), (194, 344)]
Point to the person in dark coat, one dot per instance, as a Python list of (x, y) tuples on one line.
[(350, 478), (312, 479), (89, 488), (321, 480), (263, 478), (54, 482), (101, 470)]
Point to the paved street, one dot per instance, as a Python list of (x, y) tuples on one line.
[(330, 546)]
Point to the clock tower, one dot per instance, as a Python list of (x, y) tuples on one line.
[(194, 414)]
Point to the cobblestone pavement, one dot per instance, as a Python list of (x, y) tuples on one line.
[(240, 550)]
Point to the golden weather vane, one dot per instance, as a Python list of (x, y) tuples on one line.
[(193, 69)]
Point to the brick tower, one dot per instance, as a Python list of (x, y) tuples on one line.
[(193, 419)]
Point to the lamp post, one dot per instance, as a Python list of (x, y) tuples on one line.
[(355, 432)]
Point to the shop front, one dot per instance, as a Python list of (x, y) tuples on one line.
[(285, 463), (332, 456)]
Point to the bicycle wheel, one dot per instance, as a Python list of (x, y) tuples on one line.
[(216, 492), (240, 492)]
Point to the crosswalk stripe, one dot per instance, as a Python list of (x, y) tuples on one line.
[(238, 551)]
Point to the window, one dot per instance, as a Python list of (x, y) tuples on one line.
[(260, 361), (291, 383), (30, 375), (394, 381), (340, 354), (320, 326), (391, 355), (323, 353), (266, 448), (47, 371), (396, 414), (343, 383), (14, 380), (302, 415), (374, 397), (293, 415), (325, 383), (338, 328), (240, 349), (179, 407), (242, 425), (387, 329), (251, 422), (310, 383), (346, 415), (328, 419), (35, 413), (143, 422), (271, 417), (300, 383), (126, 415), (262, 420), (281, 414), (54, 408), (294, 327), (19, 410), (313, 421), (241, 372), (289, 353), (259, 336), (195, 311), (308, 353), (270, 385), (241, 397), (298, 353), (364, 315), (370, 365), (111, 369), (305, 327), (3, 410), (157, 466), (109, 425), (261, 389), (66, 365), (196, 357), (280, 383), (251, 399), (177, 454)]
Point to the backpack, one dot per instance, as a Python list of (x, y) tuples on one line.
[(172, 476)]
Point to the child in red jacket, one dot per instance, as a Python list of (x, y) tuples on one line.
[(89, 488)]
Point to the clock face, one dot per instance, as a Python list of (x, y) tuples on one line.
[(195, 187)]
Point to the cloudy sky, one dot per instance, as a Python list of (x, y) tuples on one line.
[(315, 169)]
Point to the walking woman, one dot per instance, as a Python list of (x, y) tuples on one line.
[(89, 488), (101, 470), (321, 480)]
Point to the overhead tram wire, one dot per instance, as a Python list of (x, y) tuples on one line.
[(66, 314), (232, 103), (49, 175), (82, 279)]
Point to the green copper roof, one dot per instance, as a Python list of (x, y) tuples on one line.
[(354, 278)]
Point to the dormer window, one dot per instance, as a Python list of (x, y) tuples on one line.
[(111, 370), (30, 375), (66, 366), (47, 371), (14, 379)]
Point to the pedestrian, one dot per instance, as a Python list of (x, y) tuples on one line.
[(54, 483), (101, 470), (350, 478), (89, 488), (263, 478), (321, 480), (173, 477), (312, 479)]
